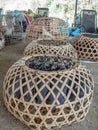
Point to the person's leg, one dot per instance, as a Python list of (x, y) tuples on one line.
[(24, 26)]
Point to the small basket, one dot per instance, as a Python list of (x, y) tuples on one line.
[(86, 46), (47, 99)]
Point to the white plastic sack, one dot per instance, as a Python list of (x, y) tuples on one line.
[(2, 43), (46, 33), (9, 31)]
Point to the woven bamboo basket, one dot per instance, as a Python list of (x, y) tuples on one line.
[(50, 46), (47, 99), (46, 28), (86, 46)]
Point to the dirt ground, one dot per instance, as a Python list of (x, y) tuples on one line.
[(10, 54)]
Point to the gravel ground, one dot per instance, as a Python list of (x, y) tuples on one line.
[(12, 53)]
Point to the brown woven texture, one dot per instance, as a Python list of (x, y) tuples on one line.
[(45, 28), (86, 47), (48, 99), (50, 46)]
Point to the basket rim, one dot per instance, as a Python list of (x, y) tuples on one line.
[(66, 42), (77, 63), (36, 42)]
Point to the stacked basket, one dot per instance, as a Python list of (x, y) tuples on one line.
[(51, 46), (48, 88), (46, 28)]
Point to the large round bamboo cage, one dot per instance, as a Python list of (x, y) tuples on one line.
[(50, 46), (48, 99), (86, 46), (46, 28)]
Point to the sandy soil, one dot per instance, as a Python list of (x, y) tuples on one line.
[(12, 53)]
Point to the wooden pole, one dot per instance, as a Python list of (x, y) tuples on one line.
[(76, 3)]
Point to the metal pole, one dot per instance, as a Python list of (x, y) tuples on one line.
[(76, 3)]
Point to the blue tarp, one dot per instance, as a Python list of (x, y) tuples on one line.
[(76, 32), (69, 31)]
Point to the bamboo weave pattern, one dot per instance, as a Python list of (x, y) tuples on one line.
[(86, 48), (55, 47), (45, 100), (46, 28)]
